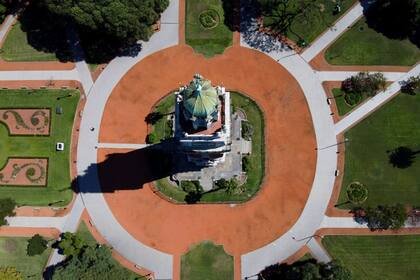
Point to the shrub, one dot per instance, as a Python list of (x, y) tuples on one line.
[(383, 217), (364, 83), (191, 186), (246, 164), (152, 138), (7, 207), (71, 244), (357, 193), (352, 98), (247, 130), (36, 245), (10, 273), (230, 186), (411, 86)]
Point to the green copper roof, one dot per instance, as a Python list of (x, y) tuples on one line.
[(200, 98)]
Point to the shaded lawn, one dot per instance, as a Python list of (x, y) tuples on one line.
[(257, 158), (386, 257), (58, 184), (362, 45), (315, 21), (17, 48), (367, 160), (13, 253), (208, 42), (166, 106), (206, 261)]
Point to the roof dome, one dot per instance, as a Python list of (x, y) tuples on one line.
[(200, 98)]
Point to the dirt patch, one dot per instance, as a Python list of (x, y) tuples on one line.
[(290, 150), (24, 172), (26, 121)]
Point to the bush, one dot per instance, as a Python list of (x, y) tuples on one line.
[(71, 244), (411, 86), (36, 245), (191, 186), (357, 193), (383, 217), (10, 273), (352, 98), (230, 186), (246, 164), (247, 130), (7, 207), (364, 84), (152, 138)]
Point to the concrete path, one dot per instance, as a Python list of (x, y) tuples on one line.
[(6, 26), (318, 252), (101, 215), (333, 33), (70, 75), (122, 146), (374, 103), (342, 75), (37, 222), (349, 222)]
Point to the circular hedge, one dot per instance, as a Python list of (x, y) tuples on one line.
[(209, 19), (357, 193), (352, 98)]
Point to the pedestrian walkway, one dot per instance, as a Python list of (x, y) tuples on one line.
[(70, 75), (317, 251), (374, 103), (10, 19), (122, 146), (333, 33)]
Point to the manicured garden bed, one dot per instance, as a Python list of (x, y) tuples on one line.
[(362, 45), (206, 261), (314, 21), (17, 48), (13, 253), (256, 159), (58, 191), (342, 106), (205, 30), (377, 257), (370, 146)]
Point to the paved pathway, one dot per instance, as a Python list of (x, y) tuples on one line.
[(317, 251), (122, 146), (6, 26), (342, 75), (101, 215), (350, 223), (333, 33), (70, 75), (374, 103), (37, 222)]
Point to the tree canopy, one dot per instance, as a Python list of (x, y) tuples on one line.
[(7, 208), (36, 245), (309, 269), (382, 217)]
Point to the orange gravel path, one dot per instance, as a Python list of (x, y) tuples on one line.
[(290, 143)]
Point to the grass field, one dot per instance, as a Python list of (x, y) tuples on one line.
[(257, 158), (58, 187), (362, 45), (206, 261), (17, 48), (166, 106), (390, 257), (315, 21), (367, 153), (208, 42), (342, 106), (13, 253)]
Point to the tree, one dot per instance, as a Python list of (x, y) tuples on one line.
[(411, 86), (91, 264), (10, 273), (362, 85), (309, 269), (230, 186), (36, 245), (385, 217), (71, 244), (7, 208)]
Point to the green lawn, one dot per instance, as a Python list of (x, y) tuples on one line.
[(367, 151), (315, 21), (85, 234), (362, 45), (13, 253), (58, 187), (386, 257), (257, 158), (166, 107), (342, 106), (17, 48), (206, 261), (208, 42)]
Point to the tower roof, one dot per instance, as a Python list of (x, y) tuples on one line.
[(200, 98)]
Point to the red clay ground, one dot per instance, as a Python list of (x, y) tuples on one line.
[(290, 143)]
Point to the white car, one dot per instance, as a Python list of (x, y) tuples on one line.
[(59, 146)]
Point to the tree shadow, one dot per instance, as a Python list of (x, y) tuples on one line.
[(394, 19), (132, 170), (402, 157), (232, 9)]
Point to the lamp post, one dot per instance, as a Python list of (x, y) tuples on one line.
[(336, 144), (307, 237)]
